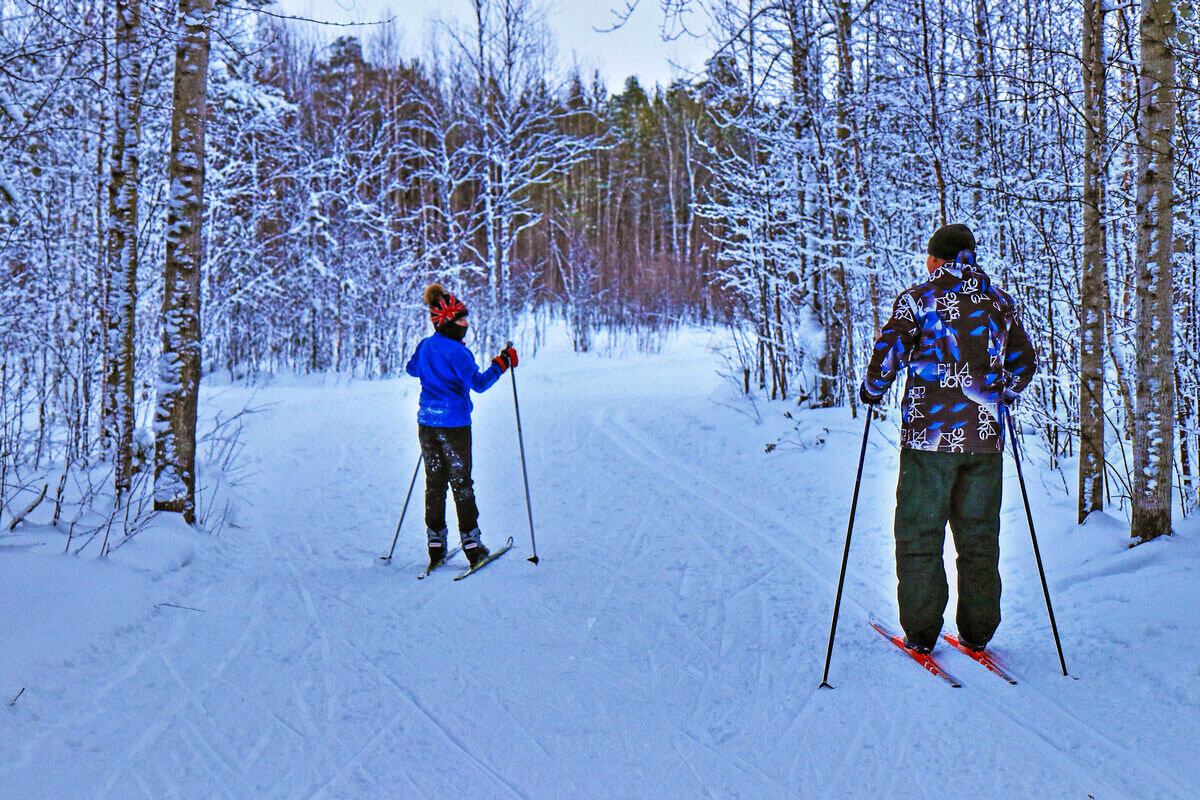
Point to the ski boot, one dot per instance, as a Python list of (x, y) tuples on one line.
[(916, 648), (473, 547), (974, 648), (436, 543)]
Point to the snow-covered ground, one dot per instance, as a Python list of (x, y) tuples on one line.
[(669, 645)]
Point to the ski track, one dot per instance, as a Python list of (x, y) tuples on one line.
[(440, 727), (668, 646), (159, 726), (1149, 772), (670, 470)]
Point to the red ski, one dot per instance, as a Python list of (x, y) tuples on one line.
[(924, 660), (983, 657)]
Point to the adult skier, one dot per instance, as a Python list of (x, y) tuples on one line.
[(448, 374), (968, 357)]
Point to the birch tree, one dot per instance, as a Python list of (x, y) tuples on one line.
[(1093, 284), (119, 417), (180, 362), (1154, 422), (518, 146)]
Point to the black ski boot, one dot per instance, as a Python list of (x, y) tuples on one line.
[(974, 648), (473, 547), (436, 542), (917, 648)]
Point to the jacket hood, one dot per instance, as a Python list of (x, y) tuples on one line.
[(957, 276)]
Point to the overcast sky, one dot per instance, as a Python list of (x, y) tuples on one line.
[(635, 49)]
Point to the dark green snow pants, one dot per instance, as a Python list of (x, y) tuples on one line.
[(963, 489)]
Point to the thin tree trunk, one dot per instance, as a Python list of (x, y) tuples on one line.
[(981, 88), (179, 366), (119, 418), (934, 131), (1154, 422), (1093, 286), (839, 342)]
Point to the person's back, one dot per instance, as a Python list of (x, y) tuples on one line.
[(448, 373), (967, 356)]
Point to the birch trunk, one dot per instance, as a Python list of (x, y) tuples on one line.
[(839, 344), (1154, 420), (119, 415), (1093, 286), (179, 365)]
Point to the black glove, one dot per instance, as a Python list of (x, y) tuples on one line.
[(1007, 396), (506, 359), (866, 397)]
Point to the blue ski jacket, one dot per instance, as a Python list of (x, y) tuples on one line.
[(448, 374)]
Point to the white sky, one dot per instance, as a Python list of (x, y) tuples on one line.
[(635, 49)]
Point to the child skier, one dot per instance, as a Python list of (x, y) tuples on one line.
[(448, 373)]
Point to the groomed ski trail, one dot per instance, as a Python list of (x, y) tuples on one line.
[(1079, 735), (668, 645)]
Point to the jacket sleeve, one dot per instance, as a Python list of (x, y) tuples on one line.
[(471, 375), (411, 368), (1020, 359), (894, 346)]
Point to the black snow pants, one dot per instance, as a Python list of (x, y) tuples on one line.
[(963, 489), (447, 453)]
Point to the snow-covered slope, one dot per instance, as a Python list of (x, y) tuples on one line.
[(669, 644)]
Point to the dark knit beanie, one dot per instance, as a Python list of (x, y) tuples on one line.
[(950, 240)]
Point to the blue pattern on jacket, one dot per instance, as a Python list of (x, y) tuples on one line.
[(966, 351), (448, 374)]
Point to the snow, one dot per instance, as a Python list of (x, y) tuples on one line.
[(668, 645), (8, 191), (11, 109)]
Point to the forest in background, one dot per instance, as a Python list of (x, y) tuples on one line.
[(199, 187)]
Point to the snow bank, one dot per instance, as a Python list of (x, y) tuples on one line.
[(61, 604)]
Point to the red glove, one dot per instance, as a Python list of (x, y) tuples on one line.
[(506, 359)]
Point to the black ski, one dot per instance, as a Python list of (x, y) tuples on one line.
[(492, 556), (432, 567)]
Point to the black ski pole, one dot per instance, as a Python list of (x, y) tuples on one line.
[(407, 497), (524, 471), (837, 603), (1037, 553)]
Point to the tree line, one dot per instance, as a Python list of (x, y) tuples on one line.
[(205, 187), (1061, 132)]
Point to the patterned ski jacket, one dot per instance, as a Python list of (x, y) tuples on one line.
[(966, 351), (448, 374)]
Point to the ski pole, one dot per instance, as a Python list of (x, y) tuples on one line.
[(1037, 553), (837, 603), (524, 471), (407, 497)]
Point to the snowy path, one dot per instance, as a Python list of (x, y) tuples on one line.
[(669, 644)]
